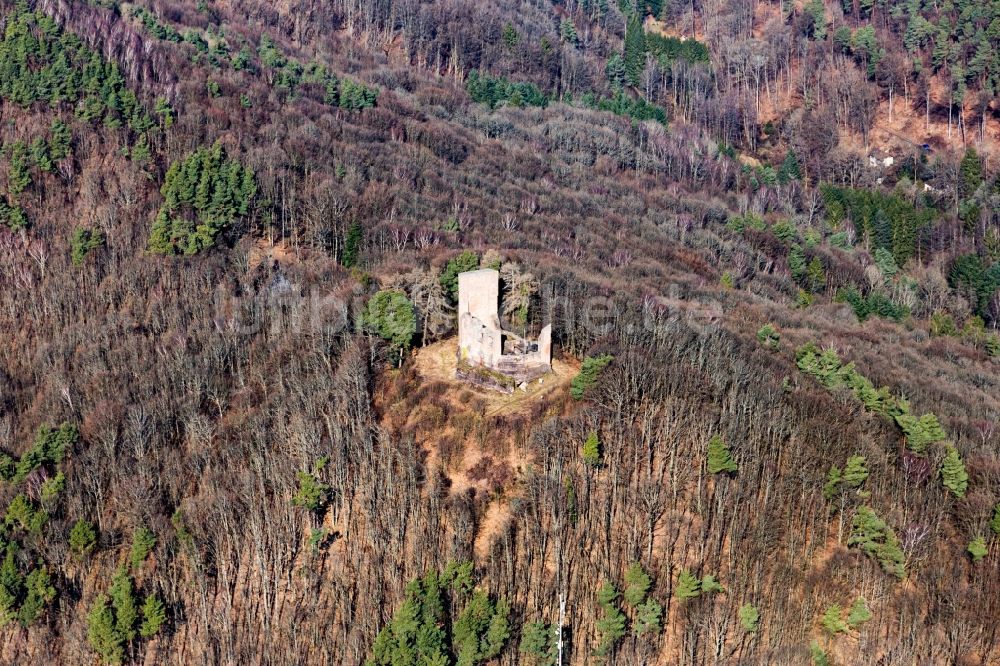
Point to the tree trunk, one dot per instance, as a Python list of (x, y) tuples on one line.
[(927, 110)]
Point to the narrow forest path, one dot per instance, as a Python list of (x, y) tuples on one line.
[(490, 460)]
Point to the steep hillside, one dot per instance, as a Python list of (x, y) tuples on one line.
[(772, 436)]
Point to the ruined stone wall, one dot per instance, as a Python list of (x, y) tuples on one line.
[(479, 294), (480, 336)]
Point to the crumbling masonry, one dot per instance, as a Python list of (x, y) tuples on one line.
[(487, 354)]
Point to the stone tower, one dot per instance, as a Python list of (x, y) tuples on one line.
[(483, 344)]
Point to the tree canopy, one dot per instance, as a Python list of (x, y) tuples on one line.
[(202, 194)]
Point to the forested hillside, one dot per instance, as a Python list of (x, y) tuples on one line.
[(230, 234)]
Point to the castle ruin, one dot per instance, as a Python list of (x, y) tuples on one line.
[(487, 354)]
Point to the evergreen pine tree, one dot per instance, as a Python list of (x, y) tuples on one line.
[(635, 50), (18, 178), (416, 633), (140, 150), (883, 233), (832, 620), (647, 618), (60, 139), (615, 71), (509, 36), (11, 587), (538, 643), (816, 275), (611, 625), (40, 154), (143, 541), (82, 538), (768, 336), (497, 631), (796, 262), (481, 629), (352, 245), (834, 478), (160, 236), (977, 549), (248, 190), (871, 534), (920, 432), (203, 191), (13, 216), (462, 262), (637, 584), (592, 450), (719, 458), (993, 345), (590, 369), (970, 173), (313, 494), (855, 472), (789, 169), (82, 241), (39, 592), (101, 633), (953, 474), (390, 314), (567, 32), (858, 614), (817, 12), (749, 618), (819, 657), (886, 263), (710, 584), (688, 587), (123, 601), (166, 113)]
